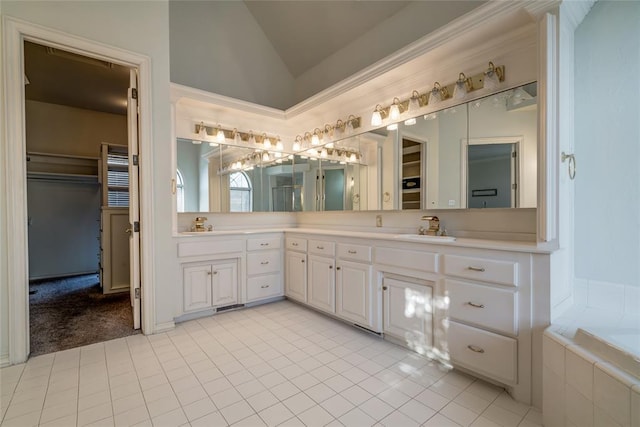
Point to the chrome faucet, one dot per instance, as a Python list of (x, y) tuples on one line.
[(434, 226)]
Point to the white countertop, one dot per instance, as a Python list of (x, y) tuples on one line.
[(504, 245)]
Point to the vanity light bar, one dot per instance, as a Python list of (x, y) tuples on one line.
[(319, 137), (470, 84), (237, 136)]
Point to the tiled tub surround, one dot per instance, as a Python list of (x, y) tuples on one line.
[(275, 364), (584, 383)]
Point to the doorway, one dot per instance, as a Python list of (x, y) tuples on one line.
[(78, 198)]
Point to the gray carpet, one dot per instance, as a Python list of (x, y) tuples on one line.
[(72, 311)]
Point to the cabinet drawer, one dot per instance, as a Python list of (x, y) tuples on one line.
[(322, 247), (415, 260), (296, 244), (485, 306), (263, 287), (258, 244), (263, 262), (487, 353), (354, 252), (209, 247), (487, 270)]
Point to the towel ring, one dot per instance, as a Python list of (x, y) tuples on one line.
[(571, 165)]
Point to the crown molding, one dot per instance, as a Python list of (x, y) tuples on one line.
[(181, 93), (576, 11), (492, 10)]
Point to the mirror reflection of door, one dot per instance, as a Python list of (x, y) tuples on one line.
[(333, 189), (492, 175)]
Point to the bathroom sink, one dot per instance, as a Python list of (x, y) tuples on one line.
[(425, 238)]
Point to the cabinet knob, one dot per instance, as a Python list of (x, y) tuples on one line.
[(264, 244), (294, 244), (264, 262), (264, 286), (352, 252), (480, 269), (337, 268), (384, 288), (210, 273), (302, 260), (331, 267), (320, 247)]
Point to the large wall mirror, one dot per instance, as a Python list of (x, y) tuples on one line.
[(479, 154)]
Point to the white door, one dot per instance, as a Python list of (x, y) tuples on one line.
[(354, 294), (224, 280), (408, 312), (296, 276), (322, 283), (134, 208)]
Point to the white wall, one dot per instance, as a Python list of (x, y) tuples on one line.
[(217, 46), (412, 22), (141, 27), (59, 129), (607, 135)]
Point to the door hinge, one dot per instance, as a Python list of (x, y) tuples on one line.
[(137, 293), (514, 186), (514, 154), (136, 227), (134, 93), (134, 159)]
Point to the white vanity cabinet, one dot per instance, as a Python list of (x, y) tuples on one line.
[(209, 284), (321, 278), (408, 312), (296, 268), (264, 265), (210, 274), (485, 334), (338, 275), (356, 293), (409, 292)]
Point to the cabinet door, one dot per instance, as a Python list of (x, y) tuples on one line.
[(322, 283), (354, 292), (197, 286), (224, 283), (408, 312), (296, 276)]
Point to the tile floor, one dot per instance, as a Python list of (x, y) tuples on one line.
[(276, 364)]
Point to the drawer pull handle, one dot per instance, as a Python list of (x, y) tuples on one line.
[(480, 269), (294, 244), (352, 252), (264, 262), (210, 273), (320, 247), (475, 348), (264, 286), (264, 244), (473, 304)]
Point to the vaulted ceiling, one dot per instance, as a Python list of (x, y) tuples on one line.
[(303, 33), (306, 32)]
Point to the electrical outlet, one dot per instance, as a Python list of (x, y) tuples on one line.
[(378, 220)]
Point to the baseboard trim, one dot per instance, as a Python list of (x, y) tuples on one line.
[(164, 327), (4, 360)]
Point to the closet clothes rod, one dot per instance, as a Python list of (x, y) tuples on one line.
[(62, 156), (63, 177)]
